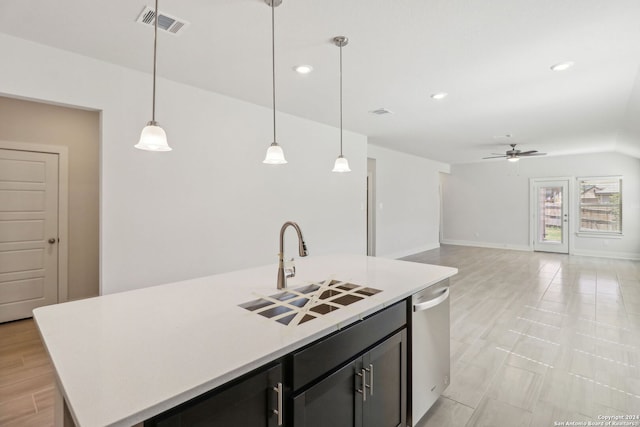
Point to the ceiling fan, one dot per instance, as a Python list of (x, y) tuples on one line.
[(514, 155)]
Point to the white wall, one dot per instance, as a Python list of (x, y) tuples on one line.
[(408, 202), (487, 204), (210, 205), (628, 137)]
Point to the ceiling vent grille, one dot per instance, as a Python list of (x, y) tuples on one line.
[(167, 23), (381, 112)]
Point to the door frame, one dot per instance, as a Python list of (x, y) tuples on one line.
[(371, 206), (63, 206), (533, 205)]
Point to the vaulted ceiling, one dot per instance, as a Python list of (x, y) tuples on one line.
[(492, 57)]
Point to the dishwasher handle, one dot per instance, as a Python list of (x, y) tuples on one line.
[(432, 302)]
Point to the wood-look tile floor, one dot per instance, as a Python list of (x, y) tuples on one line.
[(26, 377), (535, 338), (539, 338)]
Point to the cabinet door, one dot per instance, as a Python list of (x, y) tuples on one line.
[(386, 368), (250, 402), (331, 401)]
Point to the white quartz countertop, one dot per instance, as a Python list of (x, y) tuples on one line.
[(123, 358)]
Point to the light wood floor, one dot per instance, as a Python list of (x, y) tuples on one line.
[(535, 338), (539, 338), (26, 377)]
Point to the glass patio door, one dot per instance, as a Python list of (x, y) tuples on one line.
[(551, 216)]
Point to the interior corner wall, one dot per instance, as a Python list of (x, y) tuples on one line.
[(487, 204), (407, 202), (210, 205), (78, 130)]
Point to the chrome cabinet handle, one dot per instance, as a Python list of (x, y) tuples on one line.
[(278, 411), (363, 390), (370, 370)]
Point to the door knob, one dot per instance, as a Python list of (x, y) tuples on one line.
[(52, 241)]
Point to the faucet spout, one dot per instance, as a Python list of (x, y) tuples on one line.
[(285, 273)]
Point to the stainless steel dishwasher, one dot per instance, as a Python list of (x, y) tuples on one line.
[(430, 363)]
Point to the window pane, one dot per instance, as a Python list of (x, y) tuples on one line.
[(550, 215), (601, 205)]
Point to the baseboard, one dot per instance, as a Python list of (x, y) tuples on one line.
[(486, 245), (599, 254), (608, 254), (408, 252)]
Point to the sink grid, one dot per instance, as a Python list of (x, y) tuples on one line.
[(299, 305)]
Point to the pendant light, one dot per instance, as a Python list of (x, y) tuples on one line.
[(341, 165), (275, 155), (153, 137)]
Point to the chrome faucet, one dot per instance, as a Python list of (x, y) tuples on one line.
[(284, 272)]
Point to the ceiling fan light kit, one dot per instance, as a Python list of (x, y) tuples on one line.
[(514, 154)]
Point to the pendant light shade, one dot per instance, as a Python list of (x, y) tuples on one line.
[(275, 155), (153, 137), (341, 164)]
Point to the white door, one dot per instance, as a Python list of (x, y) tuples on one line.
[(28, 232), (551, 216)]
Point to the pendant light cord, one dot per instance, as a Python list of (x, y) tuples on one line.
[(273, 64), (155, 50), (341, 99)]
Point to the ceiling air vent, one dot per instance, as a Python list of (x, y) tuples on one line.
[(167, 23), (381, 111)]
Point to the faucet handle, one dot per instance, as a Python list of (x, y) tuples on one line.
[(289, 268)]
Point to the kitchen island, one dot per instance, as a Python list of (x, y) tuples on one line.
[(124, 358)]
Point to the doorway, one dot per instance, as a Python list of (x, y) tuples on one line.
[(550, 215), (371, 207), (74, 135)]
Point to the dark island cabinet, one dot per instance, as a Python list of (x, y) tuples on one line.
[(369, 391), (353, 377), (330, 402), (386, 368), (252, 401)]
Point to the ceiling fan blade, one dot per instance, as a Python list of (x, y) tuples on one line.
[(493, 157), (526, 153), (535, 153)]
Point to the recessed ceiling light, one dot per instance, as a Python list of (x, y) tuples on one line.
[(303, 69), (439, 95), (562, 66)]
